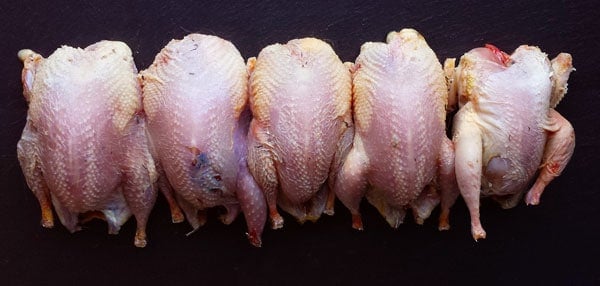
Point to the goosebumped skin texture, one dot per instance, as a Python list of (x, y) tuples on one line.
[(506, 130), (84, 149), (400, 152), (195, 93), (302, 127)]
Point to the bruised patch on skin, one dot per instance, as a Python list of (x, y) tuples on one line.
[(205, 176), (496, 168)]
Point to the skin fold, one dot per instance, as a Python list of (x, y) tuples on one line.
[(84, 149), (400, 158), (300, 96), (506, 131), (195, 96)]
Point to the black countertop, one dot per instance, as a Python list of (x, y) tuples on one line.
[(556, 242)]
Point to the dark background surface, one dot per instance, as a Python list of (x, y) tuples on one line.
[(556, 242)]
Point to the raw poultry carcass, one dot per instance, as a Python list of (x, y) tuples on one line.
[(302, 126), (195, 97), (401, 158), (84, 148), (507, 130)]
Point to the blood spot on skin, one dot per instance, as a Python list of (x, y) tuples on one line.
[(554, 167), (165, 59), (502, 57)]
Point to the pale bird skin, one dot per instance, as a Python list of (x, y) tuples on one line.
[(506, 130), (84, 149), (300, 96), (195, 94), (400, 156)]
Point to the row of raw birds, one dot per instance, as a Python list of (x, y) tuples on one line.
[(290, 130)]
